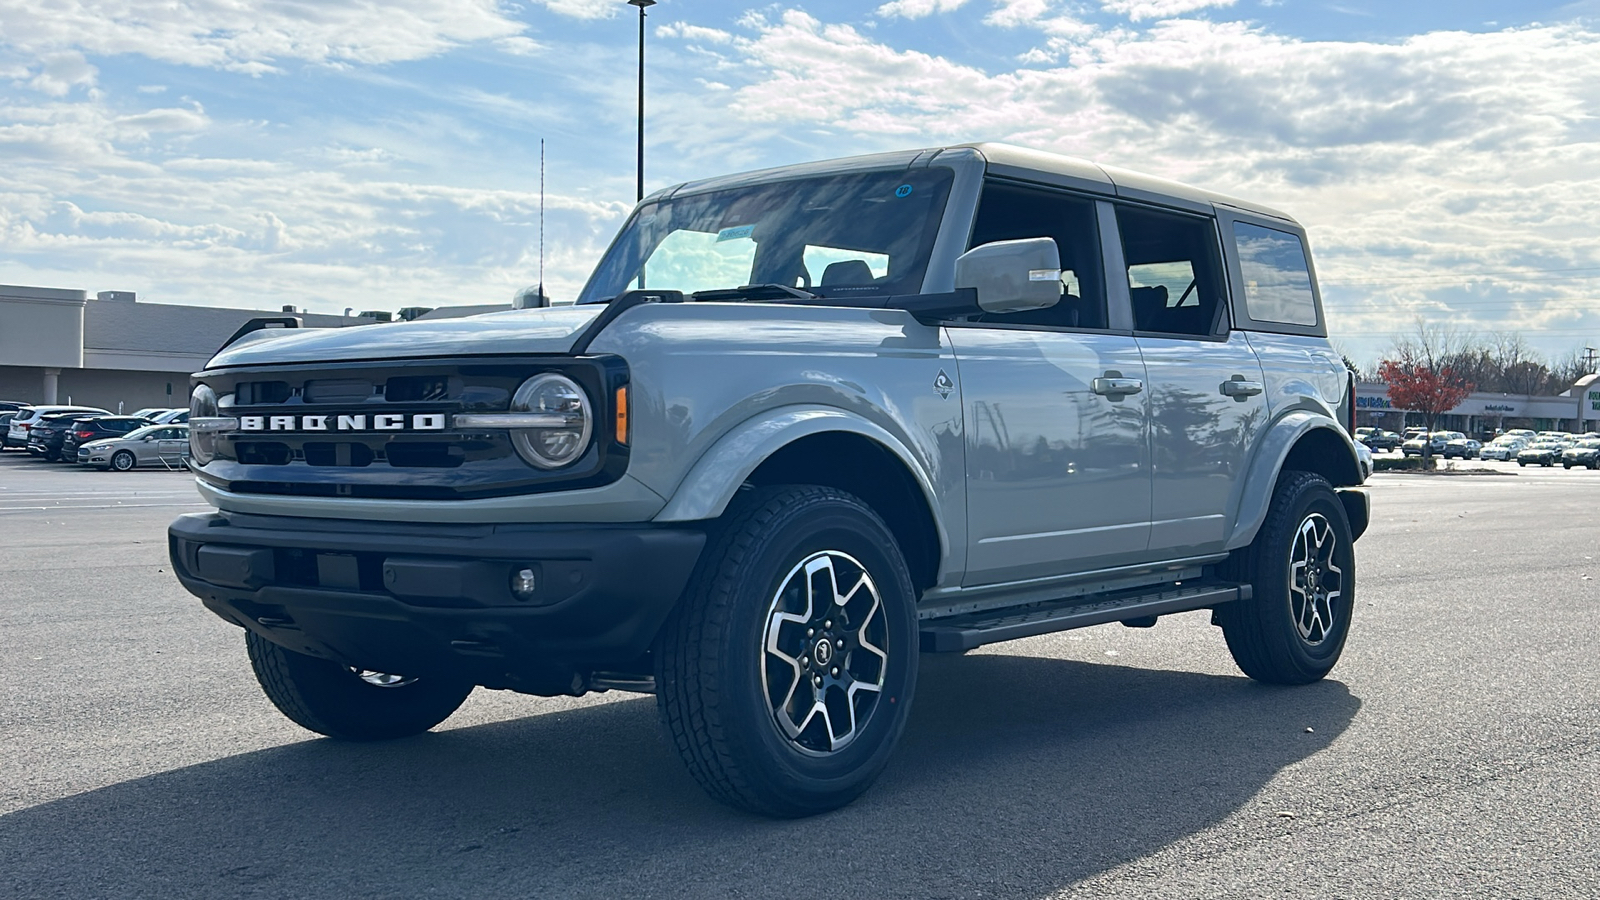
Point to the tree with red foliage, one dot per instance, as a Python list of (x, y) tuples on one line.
[(1428, 389)]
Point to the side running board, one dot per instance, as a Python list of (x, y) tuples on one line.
[(964, 632)]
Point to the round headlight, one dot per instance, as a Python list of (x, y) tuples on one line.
[(202, 443), (567, 437)]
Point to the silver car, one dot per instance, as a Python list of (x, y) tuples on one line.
[(801, 426), (153, 445)]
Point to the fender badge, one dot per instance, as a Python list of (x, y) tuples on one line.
[(942, 385)]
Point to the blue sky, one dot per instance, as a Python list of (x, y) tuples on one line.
[(354, 153)]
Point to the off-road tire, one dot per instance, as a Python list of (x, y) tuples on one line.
[(124, 461), (711, 657), (331, 699), (1262, 632)]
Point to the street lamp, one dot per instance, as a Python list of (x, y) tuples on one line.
[(642, 4)]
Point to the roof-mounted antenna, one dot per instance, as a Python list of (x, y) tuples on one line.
[(541, 217)]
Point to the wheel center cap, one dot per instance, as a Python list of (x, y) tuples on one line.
[(823, 652)]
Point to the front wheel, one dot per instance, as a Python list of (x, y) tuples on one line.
[(786, 674), (351, 704), (123, 461), (1301, 568)]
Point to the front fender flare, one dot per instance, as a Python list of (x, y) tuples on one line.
[(1271, 452), (711, 483)]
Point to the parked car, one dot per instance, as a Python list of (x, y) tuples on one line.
[(95, 428), (1585, 452), (1378, 440), (1503, 448), (1462, 447), (1433, 443), (150, 412), (1527, 434), (1543, 452), (5, 421), (13, 405), (171, 417), (152, 445), (49, 433), (857, 415), (17, 433)]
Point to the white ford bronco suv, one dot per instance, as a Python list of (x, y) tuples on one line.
[(801, 426)]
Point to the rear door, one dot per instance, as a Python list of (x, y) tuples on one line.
[(1207, 403), (1058, 476)]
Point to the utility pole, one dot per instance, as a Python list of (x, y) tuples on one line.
[(642, 4)]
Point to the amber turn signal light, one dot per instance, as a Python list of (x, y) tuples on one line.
[(622, 415)]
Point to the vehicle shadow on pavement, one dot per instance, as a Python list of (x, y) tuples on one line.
[(1018, 777)]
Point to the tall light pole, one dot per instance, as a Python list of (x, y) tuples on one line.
[(642, 4)]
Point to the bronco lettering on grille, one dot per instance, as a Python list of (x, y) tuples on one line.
[(329, 422)]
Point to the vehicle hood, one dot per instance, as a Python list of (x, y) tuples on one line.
[(515, 331)]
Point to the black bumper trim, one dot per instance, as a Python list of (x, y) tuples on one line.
[(420, 599)]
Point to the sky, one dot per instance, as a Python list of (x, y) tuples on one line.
[(375, 154)]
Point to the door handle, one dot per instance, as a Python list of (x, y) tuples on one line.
[(1115, 386), (1239, 389)]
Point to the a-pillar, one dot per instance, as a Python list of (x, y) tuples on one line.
[(52, 383)]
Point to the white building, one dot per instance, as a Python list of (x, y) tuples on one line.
[(1576, 410), (59, 345)]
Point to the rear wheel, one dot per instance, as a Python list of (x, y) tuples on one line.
[(1301, 567), (785, 676), (352, 704), (123, 460)]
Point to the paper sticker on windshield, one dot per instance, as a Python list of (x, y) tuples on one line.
[(735, 233)]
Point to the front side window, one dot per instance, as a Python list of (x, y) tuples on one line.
[(1009, 212), (1174, 273), (832, 235), (1277, 280)]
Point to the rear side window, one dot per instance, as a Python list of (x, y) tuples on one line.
[(1277, 280), (1174, 272)]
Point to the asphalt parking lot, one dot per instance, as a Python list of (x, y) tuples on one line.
[(1452, 753)]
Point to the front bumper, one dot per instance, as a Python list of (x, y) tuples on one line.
[(417, 599)]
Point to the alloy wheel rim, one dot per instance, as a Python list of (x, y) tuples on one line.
[(123, 463), (1316, 582), (825, 652)]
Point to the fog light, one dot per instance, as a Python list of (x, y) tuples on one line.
[(524, 583)]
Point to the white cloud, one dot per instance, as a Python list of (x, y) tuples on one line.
[(1139, 10), (59, 73), (252, 37), (694, 33), (584, 9), (917, 9)]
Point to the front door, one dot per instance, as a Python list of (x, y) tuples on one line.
[(1058, 474), (1054, 406)]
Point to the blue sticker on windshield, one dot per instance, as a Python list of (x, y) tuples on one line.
[(735, 233), (903, 190)]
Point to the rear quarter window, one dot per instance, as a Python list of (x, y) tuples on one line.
[(1277, 279)]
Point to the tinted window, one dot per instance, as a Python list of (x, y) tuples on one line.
[(1174, 273), (1010, 212), (1277, 280)]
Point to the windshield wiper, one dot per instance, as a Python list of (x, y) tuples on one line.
[(755, 292)]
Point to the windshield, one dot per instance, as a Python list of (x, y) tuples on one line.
[(833, 235)]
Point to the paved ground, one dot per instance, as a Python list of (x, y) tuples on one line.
[(1452, 753)]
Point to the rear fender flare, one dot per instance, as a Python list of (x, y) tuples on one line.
[(1271, 453)]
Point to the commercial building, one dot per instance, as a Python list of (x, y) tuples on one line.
[(61, 346), (1483, 413)]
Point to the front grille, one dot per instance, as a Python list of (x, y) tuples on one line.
[(386, 429)]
